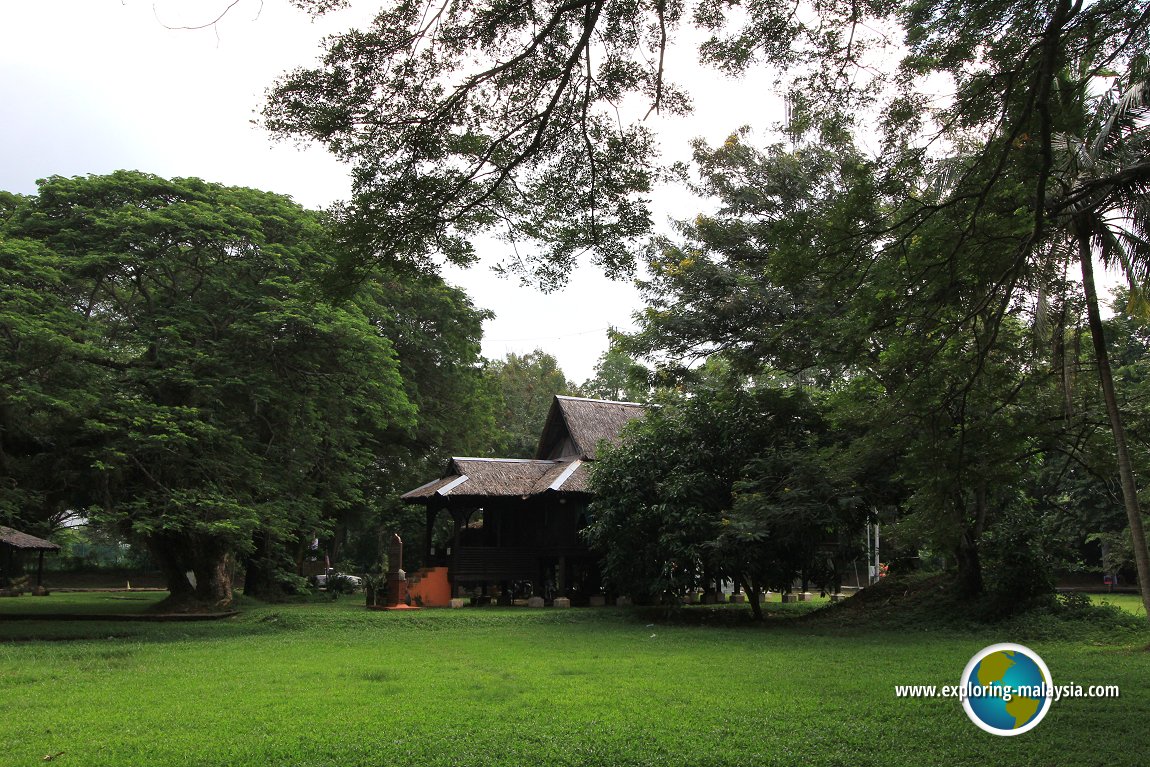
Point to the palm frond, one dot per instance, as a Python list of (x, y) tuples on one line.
[(1136, 97), (1116, 117), (1042, 316)]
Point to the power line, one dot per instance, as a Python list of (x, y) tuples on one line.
[(546, 338)]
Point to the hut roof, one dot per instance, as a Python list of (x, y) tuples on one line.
[(575, 426), (492, 477), (19, 540)]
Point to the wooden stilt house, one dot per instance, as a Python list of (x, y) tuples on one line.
[(516, 523)]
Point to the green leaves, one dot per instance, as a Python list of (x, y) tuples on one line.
[(468, 117), (174, 346), (729, 482)]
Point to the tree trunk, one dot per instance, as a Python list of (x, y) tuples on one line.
[(753, 595), (1106, 378), (210, 564), (180, 589), (969, 579), (214, 579), (260, 571)]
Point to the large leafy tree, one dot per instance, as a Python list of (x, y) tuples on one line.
[(526, 119), (936, 382), (618, 376), (435, 331), (225, 398), (971, 100), (45, 387), (731, 481)]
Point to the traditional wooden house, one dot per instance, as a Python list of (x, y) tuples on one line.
[(516, 523)]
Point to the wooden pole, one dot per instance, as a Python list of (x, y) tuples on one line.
[(40, 570)]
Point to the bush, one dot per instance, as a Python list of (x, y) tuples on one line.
[(341, 584), (1018, 570)]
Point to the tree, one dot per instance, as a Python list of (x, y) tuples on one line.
[(929, 379), (992, 207), (466, 117), (527, 383), (436, 333), (619, 377), (45, 385), (785, 247), (227, 394), (729, 481), (1105, 207)]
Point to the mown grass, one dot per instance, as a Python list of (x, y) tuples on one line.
[(86, 602), (333, 684), (1131, 603)]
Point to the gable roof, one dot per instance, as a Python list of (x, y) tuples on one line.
[(491, 477), (575, 426)]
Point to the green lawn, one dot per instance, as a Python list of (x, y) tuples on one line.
[(90, 602), (333, 684), (1131, 603)]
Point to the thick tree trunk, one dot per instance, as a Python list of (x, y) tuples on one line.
[(1125, 470), (968, 580), (214, 580), (180, 588), (210, 563)]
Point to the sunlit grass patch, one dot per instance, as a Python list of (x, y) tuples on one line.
[(1131, 603)]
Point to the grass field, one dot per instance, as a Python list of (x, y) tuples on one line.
[(329, 683), (1131, 603)]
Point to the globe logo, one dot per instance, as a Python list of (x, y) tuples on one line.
[(1006, 689)]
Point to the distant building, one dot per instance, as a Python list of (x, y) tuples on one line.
[(516, 523)]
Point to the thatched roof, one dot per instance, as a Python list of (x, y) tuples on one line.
[(496, 477), (575, 426), (19, 540)]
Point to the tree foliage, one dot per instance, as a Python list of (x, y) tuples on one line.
[(991, 158), (183, 366), (619, 377), (526, 385), (464, 117), (733, 482), (930, 373)]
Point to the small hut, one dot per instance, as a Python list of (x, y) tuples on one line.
[(12, 544)]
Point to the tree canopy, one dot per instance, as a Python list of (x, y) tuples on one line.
[(941, 165), (175, 368), (731, 482), (526, 385)]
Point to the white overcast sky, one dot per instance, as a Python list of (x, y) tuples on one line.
[(92, 86)]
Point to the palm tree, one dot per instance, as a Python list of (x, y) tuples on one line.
[(1103, 211)]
